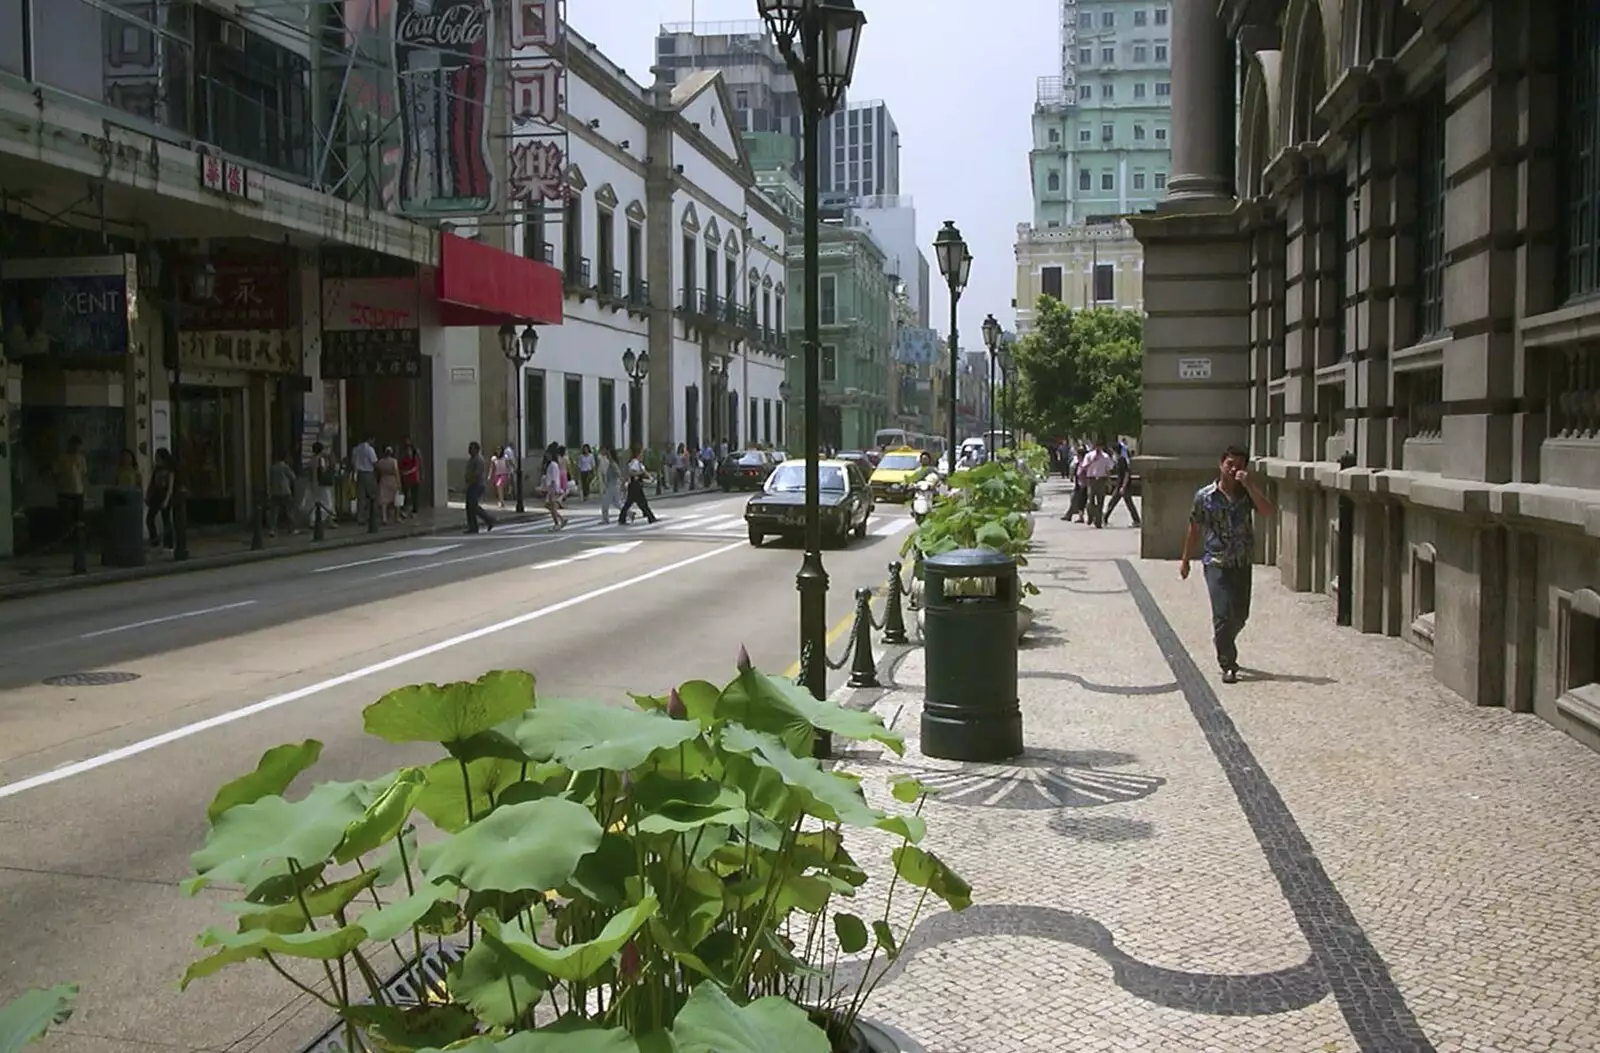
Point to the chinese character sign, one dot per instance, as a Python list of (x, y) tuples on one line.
[(536, 92), (535, 23), (370, 328), (538, 171)]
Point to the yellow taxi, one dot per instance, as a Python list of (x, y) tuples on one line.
[(891, 480)]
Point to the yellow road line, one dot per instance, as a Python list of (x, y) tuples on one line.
[(844, 626)]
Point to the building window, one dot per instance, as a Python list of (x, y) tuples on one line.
[(572, 410), (636, 278), (766, 308), (1084, 135), (711, 276), (533, 245), (1105, 283), (1085, 180), (1108, 181), (1108, 54), (1138, 131), (1139, 90), (1161, 53), (608, 413), (1086, 91), (1430, 215), (777, 311), (1161, 16), (1163, 89), (1050, 282), (1138, 180), (1141, 53), (1054, 136), (1107, 133), (1161, 181), (572, 242), (1052, 182), (691, 281), (828, 299), (605, 250), (1086, 55), (1086, 20), (741, 100), (1140, 17), (1582, 147), (830, 362), (1161, 135), (1108, 19), (1108, 91), (533, 422)]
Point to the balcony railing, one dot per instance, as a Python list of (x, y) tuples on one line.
[(578, 273), (687, 303), (611, 285), (709, 303), (639, 293)]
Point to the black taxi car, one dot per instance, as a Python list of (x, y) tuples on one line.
[(779, 510), (745, 470)]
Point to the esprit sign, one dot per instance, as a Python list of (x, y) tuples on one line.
[(458, 27)]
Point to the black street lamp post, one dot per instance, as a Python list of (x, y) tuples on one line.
[(818, 40), (955, 263), (784, 391), (174, 282), (637, 367), (519, 352), (991, 340)]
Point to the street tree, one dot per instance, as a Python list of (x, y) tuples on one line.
[(1080, 372)]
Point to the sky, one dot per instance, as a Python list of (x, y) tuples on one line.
[(959, 79)]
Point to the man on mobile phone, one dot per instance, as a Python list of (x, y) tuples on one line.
[(1223, 521)]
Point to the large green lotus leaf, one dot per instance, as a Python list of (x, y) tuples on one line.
[(781, 707), (677, 805), (577, 962), (320, 902), (602, 875), (30, 1016), (390, 920), (384, 818), (242, 946), (497, 985), (277, 768), (444, 800), (249, 836), (697, 905), (710, 1022), (407, 1027), (561, 1037), (589, 736), (851, 932), (450, 713), (828, 796), (926, 870), (527, 847)]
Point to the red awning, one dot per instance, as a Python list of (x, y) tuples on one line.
[(478, 284)]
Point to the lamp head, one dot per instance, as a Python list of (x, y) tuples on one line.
[(950, 250), (643, 364), (628, 360), (836, 51), (991, 333), (783, 18), (203, 283), (530, 342), (508, 337)]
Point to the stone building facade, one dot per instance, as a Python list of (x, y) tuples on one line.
[(1378, 267)]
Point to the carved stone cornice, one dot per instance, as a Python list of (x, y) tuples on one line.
[(1236, 14), (1257, 213), (1360, 94), (1441, 18), (1285, 173)]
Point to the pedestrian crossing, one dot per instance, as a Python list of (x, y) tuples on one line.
[(712, 525)]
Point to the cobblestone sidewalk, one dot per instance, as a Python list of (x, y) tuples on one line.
[(1335, 855)]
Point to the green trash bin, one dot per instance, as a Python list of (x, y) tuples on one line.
[(970, 711)]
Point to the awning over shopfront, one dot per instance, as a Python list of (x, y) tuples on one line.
[(478, 284)]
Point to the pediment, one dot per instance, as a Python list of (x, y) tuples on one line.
[(766, 281), (606, 196), (691, 218), (732, 245), (713, 232), (575, 179), (635, 211)]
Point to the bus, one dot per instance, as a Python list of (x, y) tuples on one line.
[(900, 438)]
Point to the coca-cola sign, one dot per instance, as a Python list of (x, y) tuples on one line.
[(451, 27)]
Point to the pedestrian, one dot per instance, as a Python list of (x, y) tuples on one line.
[(364, 462), (610, 478), (410, 478), (477, 480), (1222, 524), (500, 472), (388, 485), (158, 500), (555, 489), (1122, 482), (323, 479), (1080, 487), (280, 494), (1097, 470), (72, 482), (128, 475), (586, 469), (636, 480)]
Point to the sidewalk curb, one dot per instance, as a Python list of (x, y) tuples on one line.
[(166, 567)]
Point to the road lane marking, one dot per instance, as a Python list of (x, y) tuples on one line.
[(168, 618), (434, 551), (466, 559), (188, 730)]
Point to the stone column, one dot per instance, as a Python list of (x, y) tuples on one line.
[(1203, 94)]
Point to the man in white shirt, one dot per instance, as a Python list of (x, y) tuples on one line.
[(364, 462), (1097, 465), (636, 477)]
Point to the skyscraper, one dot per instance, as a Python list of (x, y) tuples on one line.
[(861, 151), (765, 100)]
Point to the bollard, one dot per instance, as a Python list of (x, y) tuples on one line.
[(257, 542), (372, 514), (894, 619), (863, 670), (80, 555), (316, 522)]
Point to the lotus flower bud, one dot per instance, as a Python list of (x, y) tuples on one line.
[(744, 660), (628, 966), (675, 707)]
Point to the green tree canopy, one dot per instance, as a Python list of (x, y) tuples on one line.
[(1081, 372)]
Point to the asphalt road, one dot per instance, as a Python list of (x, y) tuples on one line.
[(103, 787)]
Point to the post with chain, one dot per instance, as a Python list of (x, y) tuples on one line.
[(863, 670), (257, 542), (318, 532), (894, 619), (80, 553), (372, 513)]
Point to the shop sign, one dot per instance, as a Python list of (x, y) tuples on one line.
[(257, 351), (442, 53), (251, 292), (538, 152), (66, 308), (370, 328), (222, 176)]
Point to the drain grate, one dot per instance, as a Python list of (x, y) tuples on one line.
[(100, 679)]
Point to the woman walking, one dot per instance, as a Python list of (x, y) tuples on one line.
[(555, 488), (410, 478), (610, 475), (158, 500), (500, 474), (586, 467), (388, 485)]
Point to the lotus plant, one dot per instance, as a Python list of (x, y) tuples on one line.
[(653, 878)]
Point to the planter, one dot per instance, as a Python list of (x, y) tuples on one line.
[(870, 1037)]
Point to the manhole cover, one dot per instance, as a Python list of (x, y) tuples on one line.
[(103, 679)]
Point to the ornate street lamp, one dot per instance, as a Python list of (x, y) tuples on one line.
[(176, 287), (818, 40), (519, 352), (784, 391), (955, 263), (991, 340), (637, 367)]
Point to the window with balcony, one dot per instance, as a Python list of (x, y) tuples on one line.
[(1085, 180), (572, 260), (636, 275), (766, 309), (1052, 182), (730, 282), (1581, 145), (828, 299), (691, 277), (1431, 192), (778, 313), (711, 275), (605, 251), (533, 243), (1050, 282), (830, 363)]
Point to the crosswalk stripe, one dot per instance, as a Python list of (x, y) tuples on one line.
[(893, 526), (707, 523)]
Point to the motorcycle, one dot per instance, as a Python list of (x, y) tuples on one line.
[(923, 493)]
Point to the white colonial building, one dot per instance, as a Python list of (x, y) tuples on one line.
[(666, 246)]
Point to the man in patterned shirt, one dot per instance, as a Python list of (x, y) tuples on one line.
[(1223, 518)]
